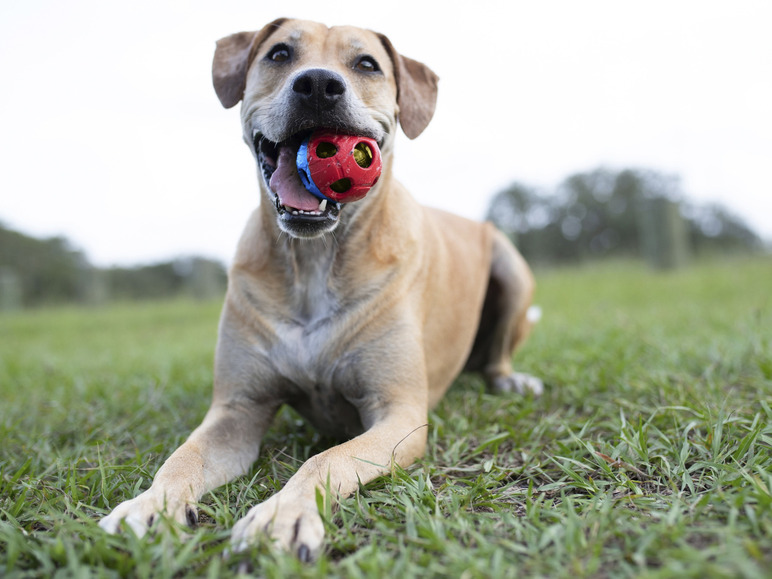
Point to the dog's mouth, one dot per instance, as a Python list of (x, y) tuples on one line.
[(278, 165)]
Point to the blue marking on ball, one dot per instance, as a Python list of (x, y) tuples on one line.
[(305, 172)]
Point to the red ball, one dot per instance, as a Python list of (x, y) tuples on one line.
[(343, 167)]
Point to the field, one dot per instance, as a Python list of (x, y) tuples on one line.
[(650, 454)]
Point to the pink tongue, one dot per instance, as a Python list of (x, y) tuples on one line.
[(285, 182)]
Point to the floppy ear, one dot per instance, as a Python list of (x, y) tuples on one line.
[(232, 58), (416, 91)]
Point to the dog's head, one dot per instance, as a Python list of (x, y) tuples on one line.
[(294, 77)]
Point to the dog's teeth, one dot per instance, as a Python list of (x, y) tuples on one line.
[(323, 205), (254, 133)]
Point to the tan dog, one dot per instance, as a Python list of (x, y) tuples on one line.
[(359, 316)]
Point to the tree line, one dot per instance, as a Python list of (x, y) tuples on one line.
[(615, 213), (35, 272), (595, 214)]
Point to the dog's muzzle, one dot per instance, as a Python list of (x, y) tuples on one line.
[(316, 99)]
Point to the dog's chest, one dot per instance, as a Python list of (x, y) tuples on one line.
[(308, 354), (300, 352), (321, 381)]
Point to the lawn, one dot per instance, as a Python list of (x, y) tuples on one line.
[(647, 456)]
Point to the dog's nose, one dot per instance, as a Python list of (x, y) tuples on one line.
[(319, 88)]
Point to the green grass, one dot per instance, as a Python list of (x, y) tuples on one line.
[(648, 455)]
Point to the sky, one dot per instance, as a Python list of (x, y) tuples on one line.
[(111, 134)]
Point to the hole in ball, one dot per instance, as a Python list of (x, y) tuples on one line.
[(341, 185), (363, 155), (325, 150)]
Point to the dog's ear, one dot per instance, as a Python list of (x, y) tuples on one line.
[(416, 91), (232, 58)]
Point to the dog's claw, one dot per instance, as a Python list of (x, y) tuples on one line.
[(304, 554), (191, 516), (245, 568)]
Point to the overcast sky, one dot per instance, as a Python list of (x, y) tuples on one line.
[(111, 134)]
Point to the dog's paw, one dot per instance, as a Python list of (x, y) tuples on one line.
[(149, 509), (519, 383), (292, 525)]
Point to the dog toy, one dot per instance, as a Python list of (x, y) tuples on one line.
[(339, 168)]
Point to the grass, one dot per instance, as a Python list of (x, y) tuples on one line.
[(648, 455)]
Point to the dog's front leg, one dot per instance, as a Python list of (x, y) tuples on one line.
[(223, 447), (291, 517)]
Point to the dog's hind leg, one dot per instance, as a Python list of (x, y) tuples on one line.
[(505, 321)]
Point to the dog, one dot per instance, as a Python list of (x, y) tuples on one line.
[(359, 315)]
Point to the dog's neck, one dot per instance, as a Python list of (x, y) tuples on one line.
[(308, 268)]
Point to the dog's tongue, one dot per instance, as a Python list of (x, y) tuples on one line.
[(285, 182)]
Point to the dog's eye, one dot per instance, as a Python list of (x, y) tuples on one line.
[(367, 64), (279, 53)]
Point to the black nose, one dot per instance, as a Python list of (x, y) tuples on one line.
[(319, 89)]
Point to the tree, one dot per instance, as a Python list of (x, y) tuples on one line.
[(195, 276), (47, 270), (613, 213), (37, 272)]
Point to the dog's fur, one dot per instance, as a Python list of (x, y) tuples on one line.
[(359, 316)]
